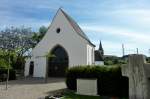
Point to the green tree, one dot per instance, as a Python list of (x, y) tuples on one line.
[(38, 36), (3, 64), (4, 58), (112, 60), (42, 31), (19, 40)]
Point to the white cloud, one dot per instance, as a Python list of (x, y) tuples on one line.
[(114, 18), (117, 31), (138, 17), (27, 22), (131, 39)]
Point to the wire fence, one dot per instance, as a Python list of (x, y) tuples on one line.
[(119, 52)]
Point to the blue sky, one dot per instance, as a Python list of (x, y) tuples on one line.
[(112, 21)]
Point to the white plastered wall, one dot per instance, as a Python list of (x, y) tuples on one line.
[(26, 69), (90, 55), (75, 45), (39, 66)]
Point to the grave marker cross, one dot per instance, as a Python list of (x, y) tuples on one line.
[(138, 72)]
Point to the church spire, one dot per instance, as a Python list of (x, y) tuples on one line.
[(101, 48)]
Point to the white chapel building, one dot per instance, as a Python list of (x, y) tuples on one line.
[(67, 42)]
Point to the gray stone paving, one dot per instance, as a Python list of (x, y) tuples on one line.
[(30, 88)]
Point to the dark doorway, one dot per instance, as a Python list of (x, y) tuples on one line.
[(31, 69), (59, 63)]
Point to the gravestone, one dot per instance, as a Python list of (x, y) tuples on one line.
[(87, 87), (138, 72)]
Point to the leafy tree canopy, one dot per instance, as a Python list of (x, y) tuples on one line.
[(15, 42), (38, 36)]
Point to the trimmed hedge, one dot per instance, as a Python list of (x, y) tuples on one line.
[(12, 74), (110, 80)]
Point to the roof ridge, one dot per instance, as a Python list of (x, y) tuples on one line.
[(76, 27)]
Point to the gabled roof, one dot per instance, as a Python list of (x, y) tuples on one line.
[(76, 27)]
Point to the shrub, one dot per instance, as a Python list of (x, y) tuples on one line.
[(109, 78), (3, 63), (12, 74)]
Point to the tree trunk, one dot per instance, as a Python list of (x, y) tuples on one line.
[(7, 74)]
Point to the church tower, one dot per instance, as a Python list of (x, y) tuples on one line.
[(99, 55), (101, 49)]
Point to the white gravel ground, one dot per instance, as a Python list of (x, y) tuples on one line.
[(30, 88)]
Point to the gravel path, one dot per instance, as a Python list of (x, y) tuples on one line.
[(30, 88)]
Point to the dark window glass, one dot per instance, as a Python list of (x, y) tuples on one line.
[(58, 30)]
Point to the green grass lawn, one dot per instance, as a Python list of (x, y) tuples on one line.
[(72, 95)]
